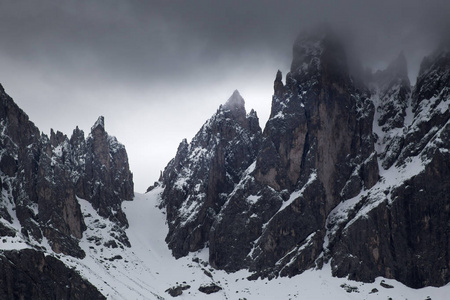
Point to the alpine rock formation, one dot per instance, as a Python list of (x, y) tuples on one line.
[(42, 179), (204, 172), (351, 174), (404, 219)]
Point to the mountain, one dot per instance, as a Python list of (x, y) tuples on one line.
[(405, 216), (204, 172), (348, 174), (42, 179), (346, 188)]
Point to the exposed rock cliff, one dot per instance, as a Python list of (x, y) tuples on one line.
[(343, 174)]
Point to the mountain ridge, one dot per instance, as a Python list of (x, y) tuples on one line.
[(326, 142), (346, 178), (42, 178)]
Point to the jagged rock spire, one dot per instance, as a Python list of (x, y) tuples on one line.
[(100, 123), (278, 85), (236, 105), (235, 101), (310, 146), (204, 171)]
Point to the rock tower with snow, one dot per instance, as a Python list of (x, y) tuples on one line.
[(354, 175)]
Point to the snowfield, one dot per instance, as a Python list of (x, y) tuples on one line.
[(147, 269)]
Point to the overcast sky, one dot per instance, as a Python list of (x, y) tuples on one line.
[(157, 70)]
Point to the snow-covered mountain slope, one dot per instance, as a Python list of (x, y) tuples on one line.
[(147, 269)]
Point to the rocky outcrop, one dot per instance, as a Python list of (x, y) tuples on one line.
[(43, 176), (203, 172), (35, 182), (102, 173), (57, 205), (29, 274), (209, 289), (20, 151)]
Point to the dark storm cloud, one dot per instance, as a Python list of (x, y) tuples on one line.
[(379, 30), (149, 66), (140, 40)]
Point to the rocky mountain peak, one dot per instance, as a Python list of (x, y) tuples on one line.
[(204, 171), (412, 147), (99, 124), (278, 85), (235, 102), (57, 138), (436, 58), (45, 177), (348, 176), (307, 51), (393, 88), (235, 105), (77, 136), (310, 159)]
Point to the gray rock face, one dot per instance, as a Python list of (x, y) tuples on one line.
[(406, 239), (343, 174), (29, 274)]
